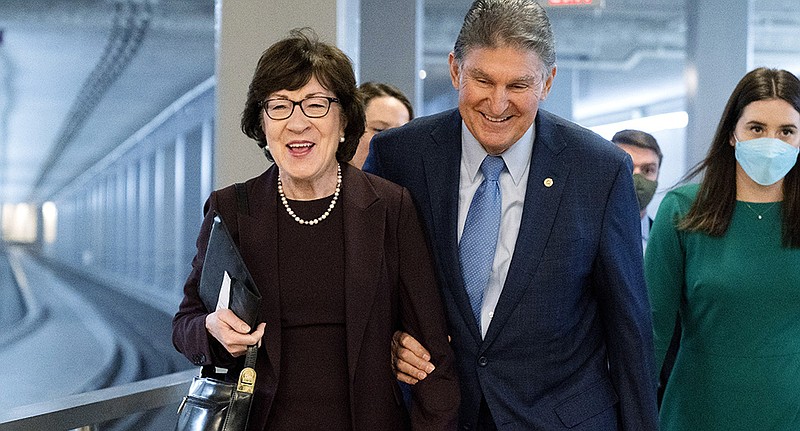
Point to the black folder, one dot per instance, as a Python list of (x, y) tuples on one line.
[(223, 256)]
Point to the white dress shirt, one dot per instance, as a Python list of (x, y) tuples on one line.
[(645, 231), (513, 183)]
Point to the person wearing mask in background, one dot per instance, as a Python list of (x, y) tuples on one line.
[(386, 107), (338, 255), (725, 255), (534, 226), (646, 155)]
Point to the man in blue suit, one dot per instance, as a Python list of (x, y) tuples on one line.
[(558, 335)]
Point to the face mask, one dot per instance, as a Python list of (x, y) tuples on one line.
[(765, 160), (645, 189)]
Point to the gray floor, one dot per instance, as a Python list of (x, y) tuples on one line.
[(72, 335)]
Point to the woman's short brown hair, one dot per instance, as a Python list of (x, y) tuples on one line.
[(289, 64)]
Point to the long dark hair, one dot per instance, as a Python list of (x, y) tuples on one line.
[(712, 210)]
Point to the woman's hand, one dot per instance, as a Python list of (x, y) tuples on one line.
[(409, 359), (232, 332)]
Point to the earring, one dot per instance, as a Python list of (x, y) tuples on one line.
[(341, 139)]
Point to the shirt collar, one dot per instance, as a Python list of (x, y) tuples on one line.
[(645, 227), (517, 158)]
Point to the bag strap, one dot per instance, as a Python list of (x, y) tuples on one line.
[(242, 397), (241, 198)]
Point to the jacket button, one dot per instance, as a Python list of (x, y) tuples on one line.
[(198, 359), (483, 361)]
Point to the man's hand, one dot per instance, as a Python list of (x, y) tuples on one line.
[(232, 332), (409, 359)]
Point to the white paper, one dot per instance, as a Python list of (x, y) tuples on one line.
[(224, 292)]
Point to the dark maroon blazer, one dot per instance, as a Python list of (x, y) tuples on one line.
[(389, 284)]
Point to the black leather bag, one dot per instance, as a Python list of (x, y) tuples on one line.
[(212, 404), (216, 405)]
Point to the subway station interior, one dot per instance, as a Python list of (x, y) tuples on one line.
[(119, 117)]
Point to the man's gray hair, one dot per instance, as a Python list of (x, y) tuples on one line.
[(520, 24)]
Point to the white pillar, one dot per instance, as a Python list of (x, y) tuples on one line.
[(719, 52), (391, 45), (560, 101)]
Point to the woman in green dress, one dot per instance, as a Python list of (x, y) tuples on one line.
[(724, 255)]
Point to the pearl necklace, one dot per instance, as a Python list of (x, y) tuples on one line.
[(326, 213)]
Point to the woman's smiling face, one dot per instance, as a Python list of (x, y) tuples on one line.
[(304, 148)]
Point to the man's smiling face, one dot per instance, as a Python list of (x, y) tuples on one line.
[(499, 90)]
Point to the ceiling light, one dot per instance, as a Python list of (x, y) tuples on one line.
[(651, 124)]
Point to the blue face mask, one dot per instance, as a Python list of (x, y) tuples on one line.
[(765, 160)]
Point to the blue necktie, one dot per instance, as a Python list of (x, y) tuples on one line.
[(479, 238)]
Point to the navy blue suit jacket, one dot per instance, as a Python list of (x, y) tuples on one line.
[(570, 343)]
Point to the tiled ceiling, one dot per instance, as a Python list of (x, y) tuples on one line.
[(57, 118), (78, 77)]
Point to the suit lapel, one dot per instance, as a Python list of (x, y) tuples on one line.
[(364, 224), (258, 236), (442, 175), (546, 180)]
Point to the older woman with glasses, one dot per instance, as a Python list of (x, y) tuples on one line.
[(338, 255)]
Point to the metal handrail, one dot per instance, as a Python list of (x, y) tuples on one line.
[(88, 409)]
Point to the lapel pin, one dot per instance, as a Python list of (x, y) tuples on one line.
[(548, 182)]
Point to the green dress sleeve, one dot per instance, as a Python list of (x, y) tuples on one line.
[(665, 268)]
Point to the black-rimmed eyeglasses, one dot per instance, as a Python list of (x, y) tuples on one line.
[(312, 107)]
